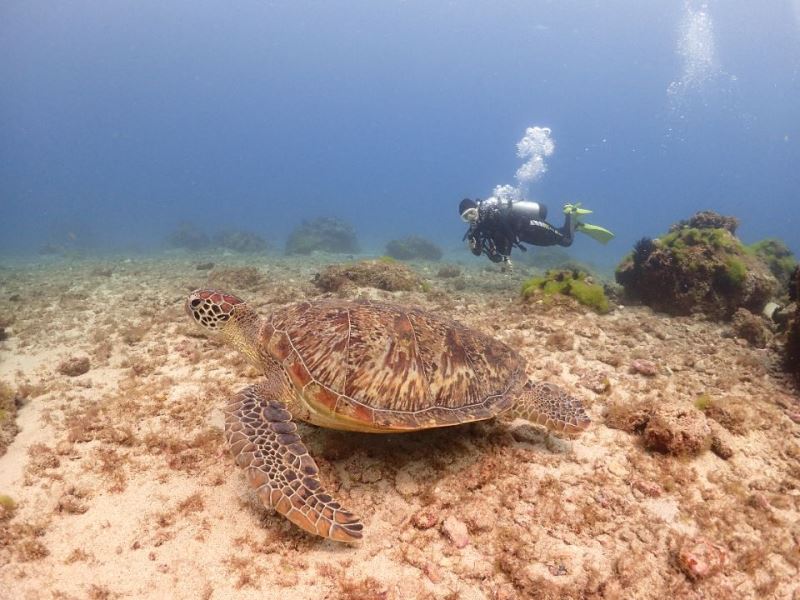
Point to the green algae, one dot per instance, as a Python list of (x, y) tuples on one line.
[(687, 237), (703, 402), (776, 255), (569, 283), (735, 271)]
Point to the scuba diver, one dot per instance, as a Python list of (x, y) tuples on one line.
[(497, 225)]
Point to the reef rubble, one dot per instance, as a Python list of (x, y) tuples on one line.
[(118, 483)]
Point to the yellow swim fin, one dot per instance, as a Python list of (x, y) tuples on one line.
[(601, 234)]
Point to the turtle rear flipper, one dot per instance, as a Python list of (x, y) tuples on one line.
[(549, 405), (264, 441)]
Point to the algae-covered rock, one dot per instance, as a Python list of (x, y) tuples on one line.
[(8, 416), (380, 274), (575, 284), (241, 241), (413, 248), (793, 337), (324, 234), (697, 269), (778, 258), (707, 219)]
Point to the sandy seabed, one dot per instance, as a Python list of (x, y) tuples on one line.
[(123, 489)]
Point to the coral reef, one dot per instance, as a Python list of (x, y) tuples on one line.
[(241, 241), (778, 258), (188, 237), (412, 248), (324, 234), (700, 266), (8, 416), (383, 275), (575, 284)]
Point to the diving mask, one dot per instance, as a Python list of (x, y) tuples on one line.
[(470, 215)]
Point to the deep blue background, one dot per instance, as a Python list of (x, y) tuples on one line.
[(118, 120)]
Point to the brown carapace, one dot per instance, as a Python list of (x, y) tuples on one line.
[(361, 366)]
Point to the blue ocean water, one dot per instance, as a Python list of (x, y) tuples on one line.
[(120, 120)]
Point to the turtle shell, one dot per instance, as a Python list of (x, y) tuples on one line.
[(372, 366)]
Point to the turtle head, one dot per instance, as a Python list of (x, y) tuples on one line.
[(225, 314)]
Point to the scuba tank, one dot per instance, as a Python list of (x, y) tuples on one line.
[(525, 210), (528, 210)]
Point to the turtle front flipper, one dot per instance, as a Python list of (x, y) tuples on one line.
[(549, 405), (264, 441)]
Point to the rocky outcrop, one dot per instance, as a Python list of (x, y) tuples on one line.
[(699, 267), (324, 234)]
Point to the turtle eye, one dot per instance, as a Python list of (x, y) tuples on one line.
[(195, 303)]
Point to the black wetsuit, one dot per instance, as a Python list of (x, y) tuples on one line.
[(502, 226)]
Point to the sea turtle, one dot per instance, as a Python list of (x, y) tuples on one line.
[(360, 366)]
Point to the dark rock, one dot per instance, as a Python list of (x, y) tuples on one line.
[(412, 248), (206, 266), (324, 234)]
